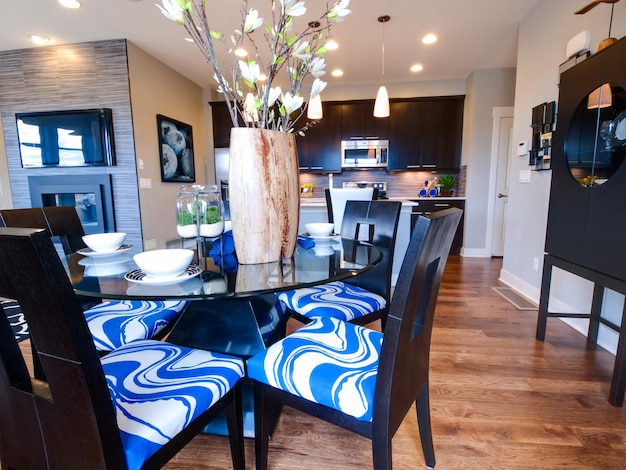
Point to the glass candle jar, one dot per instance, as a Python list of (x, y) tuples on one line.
[(210, 212), (186, 213)]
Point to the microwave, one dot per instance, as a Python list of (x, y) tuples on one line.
[(364, 153)]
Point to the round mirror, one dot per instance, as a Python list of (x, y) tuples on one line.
[(596, 138)]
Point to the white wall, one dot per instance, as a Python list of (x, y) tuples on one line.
[(544, 34)]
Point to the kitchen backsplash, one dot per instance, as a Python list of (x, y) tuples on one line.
[(400, 184)]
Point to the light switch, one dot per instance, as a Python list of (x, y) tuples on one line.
[(145, 183), (524, 176), (140, 164)]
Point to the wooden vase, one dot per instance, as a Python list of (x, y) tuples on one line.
[(264, 194)]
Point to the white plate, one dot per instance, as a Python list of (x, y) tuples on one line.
[(103, 260), (618, 137), (90, 252), (140, 277), (329, 239), (190, 286)]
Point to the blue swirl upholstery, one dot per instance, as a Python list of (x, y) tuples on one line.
[(335, 299), (327, 361), (158, 388), (113, 324)]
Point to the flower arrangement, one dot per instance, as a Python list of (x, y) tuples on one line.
[(248, 84)]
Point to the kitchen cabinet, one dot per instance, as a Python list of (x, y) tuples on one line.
[(221, 124), (319, 150), (358, 121), (426, 133), (426, 206)]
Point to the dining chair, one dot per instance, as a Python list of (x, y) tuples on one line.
[(336, 202), (360, 379), (135, 408), (112, 323), (363, 298)]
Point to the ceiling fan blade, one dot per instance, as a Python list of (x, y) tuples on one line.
[(592, 5)]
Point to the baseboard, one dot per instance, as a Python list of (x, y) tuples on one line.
[(475, 253)]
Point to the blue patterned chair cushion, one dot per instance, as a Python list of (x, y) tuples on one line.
[(327, 361), (113, 324), (335, 299), (158, 388)]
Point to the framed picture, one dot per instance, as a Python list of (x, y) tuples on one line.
[(175, 150)]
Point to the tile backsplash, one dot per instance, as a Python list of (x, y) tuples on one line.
[(399, 184)]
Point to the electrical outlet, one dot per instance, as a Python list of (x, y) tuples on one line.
[(149, 244), (145, 183), (536, 264)]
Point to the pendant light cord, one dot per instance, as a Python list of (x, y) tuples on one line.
[(610, 23), (383, 64)]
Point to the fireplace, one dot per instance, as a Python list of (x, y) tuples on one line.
[(92, 195)]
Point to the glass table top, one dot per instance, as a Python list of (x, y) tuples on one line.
[(116, 276)]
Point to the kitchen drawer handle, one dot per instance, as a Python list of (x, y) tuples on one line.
[(442, 205)]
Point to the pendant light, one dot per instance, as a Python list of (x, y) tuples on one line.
[(314, 109), (381, 107)]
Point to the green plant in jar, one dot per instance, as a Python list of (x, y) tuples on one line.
[(211, 216), (446, 182)]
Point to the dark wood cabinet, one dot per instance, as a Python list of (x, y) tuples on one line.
[(585, 225), (426, 206), (319, 150), (222, 124), (426, 133), (358, 121)]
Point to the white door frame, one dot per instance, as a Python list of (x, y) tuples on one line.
[(498, 114)]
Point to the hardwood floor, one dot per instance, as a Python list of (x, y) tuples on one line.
[(499, 398)]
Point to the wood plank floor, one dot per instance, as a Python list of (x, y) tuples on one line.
[(499, 398)]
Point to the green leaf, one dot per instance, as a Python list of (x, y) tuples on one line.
[(215, 34)]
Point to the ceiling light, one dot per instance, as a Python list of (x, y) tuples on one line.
[(417, 68), (190, 40), (337, 73), (262, 77), (332, 45), (240, 52), (381, 106), (70, 3), (429, 39), (38, 39)]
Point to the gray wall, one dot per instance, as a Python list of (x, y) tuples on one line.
[(79, 76)]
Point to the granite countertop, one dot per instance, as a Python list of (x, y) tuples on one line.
[(320, 201)]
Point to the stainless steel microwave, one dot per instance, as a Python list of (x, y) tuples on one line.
[(364, 153)]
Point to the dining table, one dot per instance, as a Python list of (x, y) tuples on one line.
[(233, 308)]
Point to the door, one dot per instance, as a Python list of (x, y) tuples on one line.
[(503, 136)]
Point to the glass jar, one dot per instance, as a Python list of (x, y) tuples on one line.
[(210, 212), (186, 210)]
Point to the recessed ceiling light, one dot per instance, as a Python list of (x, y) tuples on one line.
[(241, 52), (262, 77), (429, 39), (417, 68), (332, 45), (337, 73), (38, 38), (70, 3), (189, 40)]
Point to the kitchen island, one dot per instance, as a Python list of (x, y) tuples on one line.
[(314, 210)]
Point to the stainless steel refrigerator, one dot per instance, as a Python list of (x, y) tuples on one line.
[(221, 170)]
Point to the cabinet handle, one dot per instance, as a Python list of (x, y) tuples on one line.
[(372, 137), (442, 205), (357, 137), (430, 165), (317, 168), (414, 166)]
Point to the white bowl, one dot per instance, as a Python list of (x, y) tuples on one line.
[(164, 263), (319, 229), (105, 242)]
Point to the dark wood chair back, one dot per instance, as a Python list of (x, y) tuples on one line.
[(379, 221), (68, 420), (58, 221), (405, 355)]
